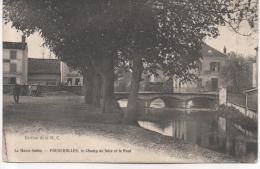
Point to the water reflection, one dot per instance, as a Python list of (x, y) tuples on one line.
[(199, 126), (122, 103), (193, 103), (207, 130)]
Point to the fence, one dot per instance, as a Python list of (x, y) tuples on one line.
[(7, 89), (158, 87), (246, 102)]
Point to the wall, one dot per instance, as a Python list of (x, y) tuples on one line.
[(19, 57), (25, 65), (21, 66), (7, 89), (44, 79)]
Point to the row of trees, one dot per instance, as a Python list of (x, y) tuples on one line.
[(238, 72), (100, 37)]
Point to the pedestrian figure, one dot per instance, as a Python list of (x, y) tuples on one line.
[(30, 90), (38, 92), (34, 90), (16, 93)]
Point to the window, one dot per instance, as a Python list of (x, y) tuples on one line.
[(214, 66), (6, 60), (69, 81), (77, 80), (6, 80), (13, 54), (12, 80), (214, 84), (13, 67)]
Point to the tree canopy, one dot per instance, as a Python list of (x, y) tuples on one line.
[(146, 34), (176, 28)]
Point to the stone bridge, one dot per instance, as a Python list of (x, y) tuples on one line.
[(176, 100)]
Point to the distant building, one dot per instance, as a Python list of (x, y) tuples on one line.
[(70, 76), (209, 78), (43, 71), (15, 61)]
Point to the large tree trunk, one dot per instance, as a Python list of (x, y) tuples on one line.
[(108, 102), (92, 86), (105, 68), (132, 106), (97, 90), (88, 85)]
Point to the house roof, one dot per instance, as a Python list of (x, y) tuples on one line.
[(43, 66), (208, 51), (14, 45)]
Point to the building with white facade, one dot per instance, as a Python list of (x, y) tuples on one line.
[(209, 73), (15, 62), (209, 76), (70, 76)]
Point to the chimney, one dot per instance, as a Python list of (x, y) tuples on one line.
[(225, 50), (23, 39)]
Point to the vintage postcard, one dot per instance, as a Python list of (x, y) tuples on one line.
[(134, 81)]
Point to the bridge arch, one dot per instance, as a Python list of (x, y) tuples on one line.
[(157, 102), (175, 102), (200, 102), (169, 101)]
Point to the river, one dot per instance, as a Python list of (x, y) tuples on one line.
[(202, 127)]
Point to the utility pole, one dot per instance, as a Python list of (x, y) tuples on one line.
[(50, 56), (246, 108), (42, 51)]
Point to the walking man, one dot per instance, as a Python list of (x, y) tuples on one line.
[(30, 90), (16, 93)]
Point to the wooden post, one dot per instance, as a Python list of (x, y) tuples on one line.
[(246, 106)]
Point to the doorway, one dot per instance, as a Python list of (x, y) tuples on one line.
[(214, 84)]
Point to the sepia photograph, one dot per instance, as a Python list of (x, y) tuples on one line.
[(130, 81)]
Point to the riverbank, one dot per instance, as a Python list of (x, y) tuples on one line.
[(75, 125)]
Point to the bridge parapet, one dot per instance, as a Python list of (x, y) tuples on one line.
[(175, 99), (152, 95)]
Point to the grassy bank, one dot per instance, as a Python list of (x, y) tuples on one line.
[(67, 116)]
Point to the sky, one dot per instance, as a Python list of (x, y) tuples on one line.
[(233, 42)]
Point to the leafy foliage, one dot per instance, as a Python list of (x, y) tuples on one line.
[(168, 33), (237, 72)]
